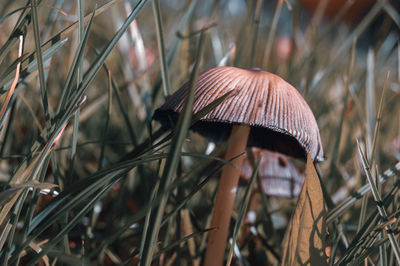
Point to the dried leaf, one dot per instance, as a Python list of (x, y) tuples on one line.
[(305, 238)]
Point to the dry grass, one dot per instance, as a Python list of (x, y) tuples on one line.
[(104, 73)]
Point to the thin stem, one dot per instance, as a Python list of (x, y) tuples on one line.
[(161, 47), (226, 194), (272, 32), (350, 201), (378, 121)]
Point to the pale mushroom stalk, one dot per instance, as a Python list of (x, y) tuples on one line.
[(226, 194)]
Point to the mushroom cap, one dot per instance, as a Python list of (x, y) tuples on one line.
[(279, 117), (278, 174)]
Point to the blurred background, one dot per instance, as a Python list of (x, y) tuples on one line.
[(337, 53)]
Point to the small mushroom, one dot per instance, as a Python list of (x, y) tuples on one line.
[(279, 177), (278, 174), (263, 111)]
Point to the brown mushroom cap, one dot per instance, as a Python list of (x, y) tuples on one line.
[(279, 117), (278, 174)]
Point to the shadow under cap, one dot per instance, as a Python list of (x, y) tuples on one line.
[(279, 118)]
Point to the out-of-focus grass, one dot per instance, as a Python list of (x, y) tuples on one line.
[(127, 189)]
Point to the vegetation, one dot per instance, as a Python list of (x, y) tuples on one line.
[(88, 178)]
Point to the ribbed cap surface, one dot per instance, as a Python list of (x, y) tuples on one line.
[(279, 117), (279, 176)]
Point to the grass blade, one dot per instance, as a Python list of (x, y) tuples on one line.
[(28, 65), (39, 57), (379, 204), (272, 32), (14, 84), (76, 66), (171, 163), (71, 224), (94, 68), (347, 203), (161, 47), (23, 20), (242, 211)]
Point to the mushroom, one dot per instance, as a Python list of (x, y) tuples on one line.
[(263, 111), (278, 174), (279, 177)]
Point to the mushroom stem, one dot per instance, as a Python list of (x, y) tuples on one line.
[(225, 198)]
